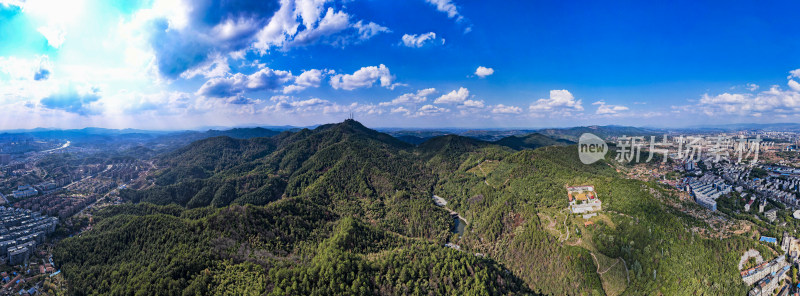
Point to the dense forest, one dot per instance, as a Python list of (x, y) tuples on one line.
[(345, 210)]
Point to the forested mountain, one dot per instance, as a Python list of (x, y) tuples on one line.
[(531, 141), (343, 209)]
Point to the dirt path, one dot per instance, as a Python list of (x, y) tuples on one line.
[(600, 273), (485, 177), (627, 275), (609, 268), (551, 225)]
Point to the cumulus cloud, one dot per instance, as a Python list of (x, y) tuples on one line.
[(447, 7), (310, 78), (369, 30), (431, 110), (503, 109), (417, 41), (794, 85), (560, 101), (794, 74), (73, 99), (185, 34), (606, 109), (364, 109), (292, 104), (774, 102), (752, 86), (335, 27), (482, 71), (289, 104), (216, 67), (333, 22), (402, 110), (176, 52), (472, 104), (453, 97), (411, 98), (364, 77), (237, 84), (23, 69)]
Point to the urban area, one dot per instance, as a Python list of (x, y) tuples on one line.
[(46, 187), (740, 182)]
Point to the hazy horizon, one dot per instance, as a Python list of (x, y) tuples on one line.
[(431, 128)]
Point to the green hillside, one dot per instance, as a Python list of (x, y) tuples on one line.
[(531, 141), (345, 210)]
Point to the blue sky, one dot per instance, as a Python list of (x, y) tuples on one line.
[(175, 64)]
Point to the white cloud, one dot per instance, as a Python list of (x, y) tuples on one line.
[(25, 69), (482, 71), (336, 27), (417, 41), (411, 98), (364, 109), (774, 102), (333, 22), (364, 77), (402, 110), (291, 104), (316, 106), (216, 67), (53, 18), (369, 30), (309, 11), (752, 86), (237, 84), (606, 109), (310, 102), (559, 101), (431, 110), (794, 85), (794, 74), (55, 35), (503, 109), (473, 104), (310, 78), (267, 79), (453, 97), (447, 7)]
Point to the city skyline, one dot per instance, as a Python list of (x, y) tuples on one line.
[(427, 63)]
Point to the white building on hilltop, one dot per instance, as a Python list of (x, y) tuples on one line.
[(583, 199)]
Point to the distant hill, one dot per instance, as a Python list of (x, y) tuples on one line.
[(413, 136), (604, 132), (450, 144), (111, 139), (775, 127), (179, 139), (531, 141), (413, 140)]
